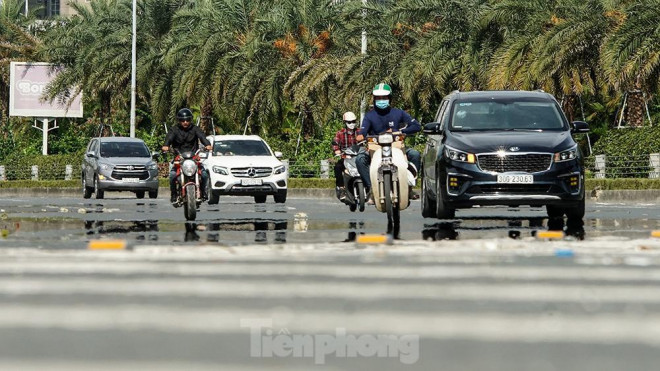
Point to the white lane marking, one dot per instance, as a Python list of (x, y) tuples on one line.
[(587, 295), (608, 274), (594, 329)]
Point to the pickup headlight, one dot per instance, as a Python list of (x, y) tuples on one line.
[(570, 154), (456, 155), (220, 170), (280, 169)]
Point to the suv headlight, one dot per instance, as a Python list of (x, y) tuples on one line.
[(105, 167), (152, 166), (189, 167), (220, 170), (280, 169), (456, 155), (570, 154)]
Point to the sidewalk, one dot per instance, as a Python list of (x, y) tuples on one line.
[(646, 196)]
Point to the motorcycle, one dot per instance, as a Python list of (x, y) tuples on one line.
[(188, 167), (391, 177), (355, 192)]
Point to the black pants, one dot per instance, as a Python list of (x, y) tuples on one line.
[(339, 169)]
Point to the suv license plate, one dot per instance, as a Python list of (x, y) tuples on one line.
[(515, 179), (251, 181), (130, 180)]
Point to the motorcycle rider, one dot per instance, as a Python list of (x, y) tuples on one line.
[(184, 136), (384, 118), (344, 138)]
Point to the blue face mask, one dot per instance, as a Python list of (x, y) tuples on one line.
[(382, 104)]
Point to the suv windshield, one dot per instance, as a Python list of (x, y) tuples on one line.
[(124, 149), (505, 114), (240, 148)]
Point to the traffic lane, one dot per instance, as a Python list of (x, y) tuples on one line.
[(238, 220)]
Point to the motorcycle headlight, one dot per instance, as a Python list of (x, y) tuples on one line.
[(280, 169), (152, 166), (567, 155), (385, 139), (220, 170), (189, 167), (456, 155)]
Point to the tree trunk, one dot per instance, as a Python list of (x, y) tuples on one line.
[(206, 115), (569, 105), (634, 115)]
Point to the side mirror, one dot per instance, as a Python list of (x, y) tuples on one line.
[(278, 154), (91, 154), (580, 127), (203, 155), (155, 155), (432, 128)]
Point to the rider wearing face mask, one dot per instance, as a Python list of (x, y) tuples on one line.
[(343, 139), (384, 118)]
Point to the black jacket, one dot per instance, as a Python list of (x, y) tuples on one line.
[(186, 140)]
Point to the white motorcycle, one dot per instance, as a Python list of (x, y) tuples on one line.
[(390, 176)]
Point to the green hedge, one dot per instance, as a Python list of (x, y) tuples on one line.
[(628, 150), (52, 167)]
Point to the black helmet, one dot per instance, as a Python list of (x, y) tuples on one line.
[(184, 114)]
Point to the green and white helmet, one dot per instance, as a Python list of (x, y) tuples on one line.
[(382, 89)]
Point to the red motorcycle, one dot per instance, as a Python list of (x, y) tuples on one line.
[(188, 167)]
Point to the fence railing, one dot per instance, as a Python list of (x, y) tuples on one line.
[(599, 167)]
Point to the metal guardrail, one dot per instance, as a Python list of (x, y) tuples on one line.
[(599, 167)]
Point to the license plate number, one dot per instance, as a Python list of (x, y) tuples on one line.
[(130, 180), (251, 181), (515, 179)]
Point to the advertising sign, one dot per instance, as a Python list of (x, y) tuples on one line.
[(27, 83)]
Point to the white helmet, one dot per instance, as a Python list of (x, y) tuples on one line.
[(350, 120)]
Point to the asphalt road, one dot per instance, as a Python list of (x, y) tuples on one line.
[(301, 298)]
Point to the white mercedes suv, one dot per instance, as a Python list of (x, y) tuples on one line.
[(244, 165)]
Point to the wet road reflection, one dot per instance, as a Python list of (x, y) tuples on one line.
[(450, 230)]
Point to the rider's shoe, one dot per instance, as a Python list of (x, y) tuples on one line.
[(173, 199), (341, 193), (370, 200), (413, 195)]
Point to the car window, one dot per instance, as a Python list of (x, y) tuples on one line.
[(240, 148), (124, 149), (506, 114)]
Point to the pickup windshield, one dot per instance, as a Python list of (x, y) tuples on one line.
[(506, 114), (240, 148)]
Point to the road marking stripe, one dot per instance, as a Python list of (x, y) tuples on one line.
[(587, 295), (593, 329)]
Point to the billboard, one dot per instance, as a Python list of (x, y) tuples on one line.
[(27, 83)]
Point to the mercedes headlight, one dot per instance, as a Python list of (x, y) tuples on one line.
[(189, 167), (570, 154), (456, 155), (280, 169), (220, 170)]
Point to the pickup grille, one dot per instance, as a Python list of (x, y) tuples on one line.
[(528, 163), (251, 172)]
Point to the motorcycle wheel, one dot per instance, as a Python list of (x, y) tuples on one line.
[(190, 203), (361, 196), (393, 215), (352, 207), (139, 194)]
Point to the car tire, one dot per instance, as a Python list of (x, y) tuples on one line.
[(554, 211), (87, 191), (260, 199), (99, 194), (214, 197), (280, 197), (153, 194), (139, 194), (428, 205), (442, 211), (577, 212)]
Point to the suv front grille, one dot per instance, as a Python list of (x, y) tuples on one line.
[(528, 163), (251, 172), (130, 171)]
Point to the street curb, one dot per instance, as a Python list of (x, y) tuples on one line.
[(647, 195)]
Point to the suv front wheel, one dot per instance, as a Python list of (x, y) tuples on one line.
[(87, 191), (442, 211)]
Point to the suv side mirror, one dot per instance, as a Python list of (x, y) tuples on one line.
[(155, 155), (278, 154), (580, 127), (91, 154), (432, 128)]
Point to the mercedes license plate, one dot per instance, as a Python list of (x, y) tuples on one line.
[(130, 180), (251, 181), (515, 179)]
